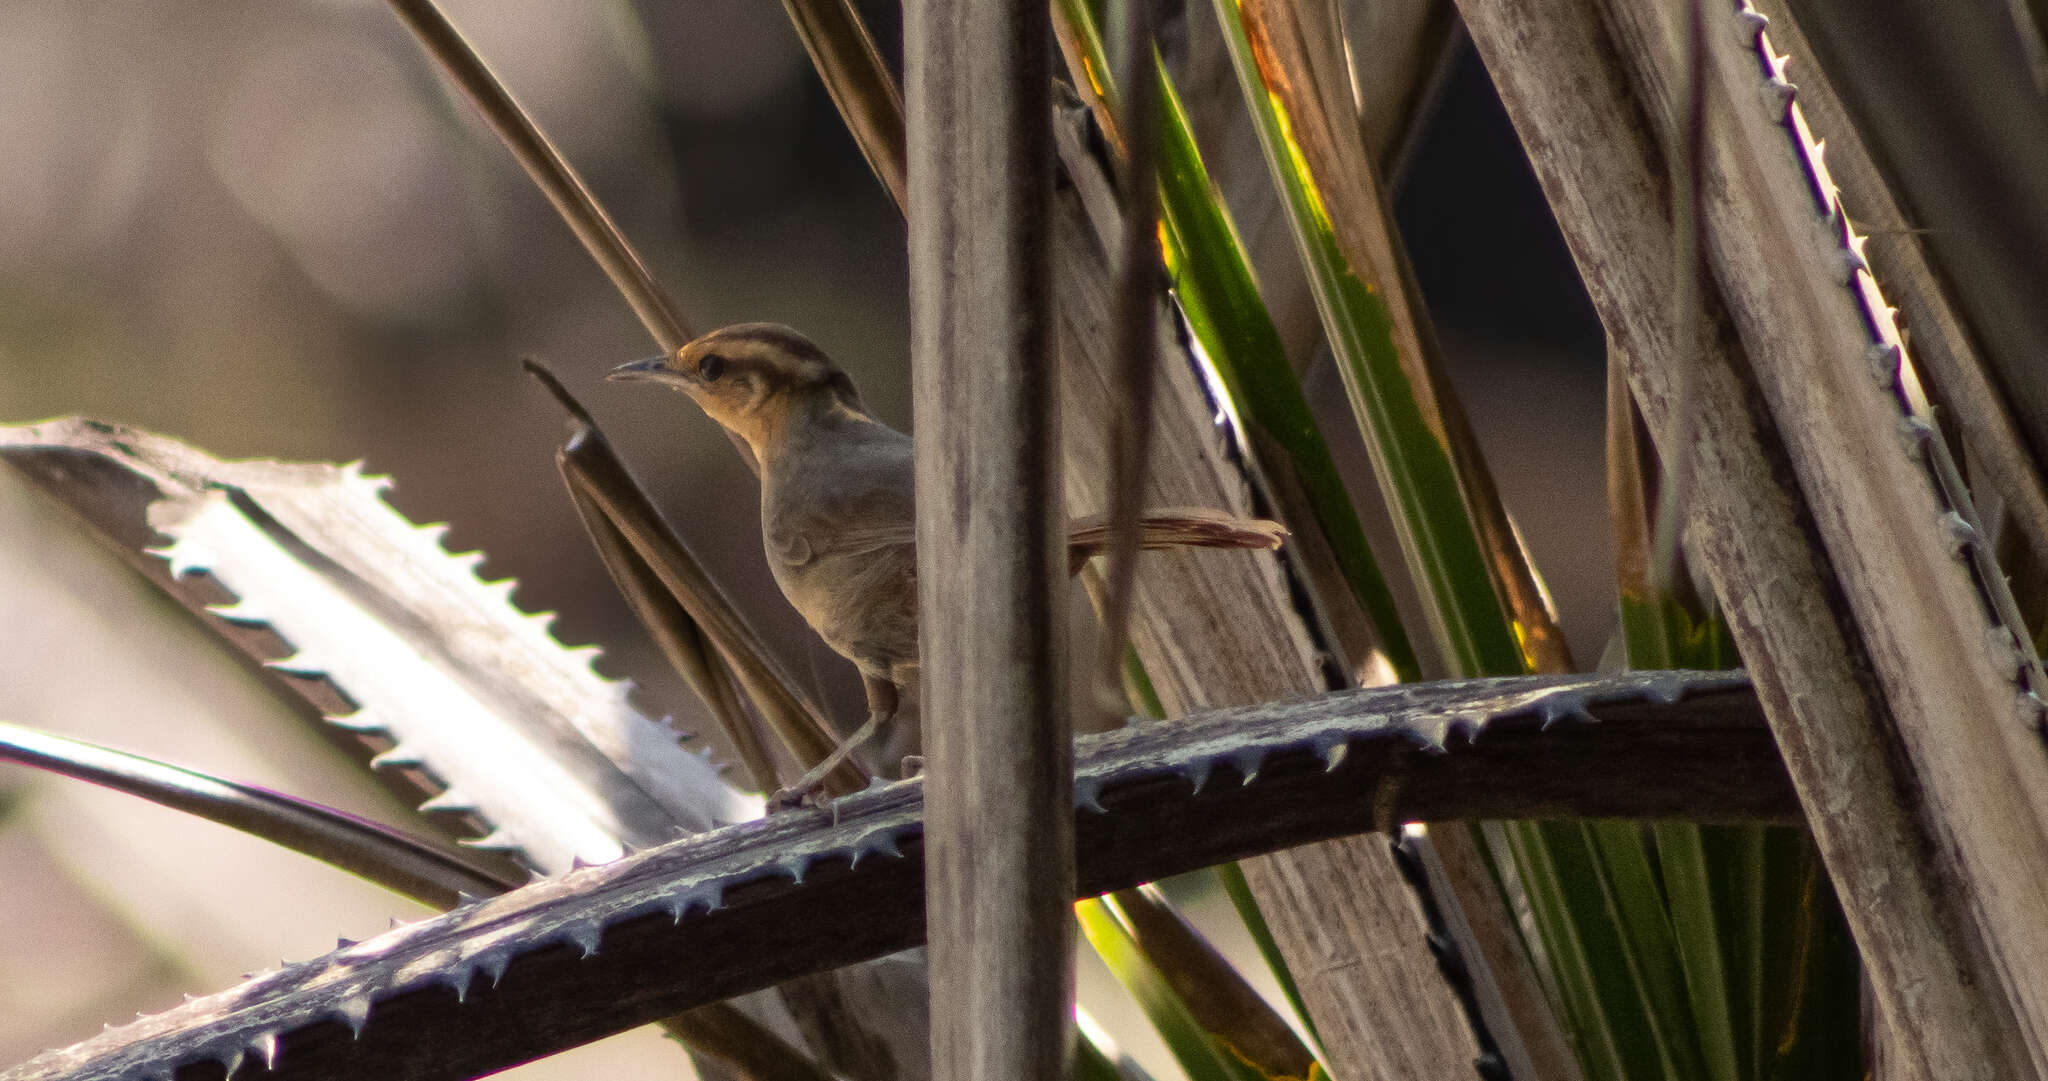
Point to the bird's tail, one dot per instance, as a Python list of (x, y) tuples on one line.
[(1174, 527)]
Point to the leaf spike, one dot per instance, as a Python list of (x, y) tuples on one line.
[(240, 611), (354, 1012), (359, 721), (1334, 755), (448, 799), (584, 936), (398, 755), (498, 840), (493, 963), (299, 663)]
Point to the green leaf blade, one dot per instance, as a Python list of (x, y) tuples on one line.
[(1192, 1047)]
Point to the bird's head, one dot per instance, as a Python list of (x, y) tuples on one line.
[(753, 378)]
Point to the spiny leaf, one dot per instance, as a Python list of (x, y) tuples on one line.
[(553, 757)]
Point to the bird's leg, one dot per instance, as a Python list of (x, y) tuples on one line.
[(882, 702)]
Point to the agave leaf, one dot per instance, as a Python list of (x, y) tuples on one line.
[(1215, 991), (1092, 1063), (1214, 284), (681, 641), (1235, 1017), (1283, 56), (1485, 606), (1613, 946), (397, 861), (550, 172), (1243, 597), (1608, 942), (471, 693), (1756, 932), (1192, 1045), (1711, 877), (1240, 893), (752, 904), (518, 733), (1225, 312), (1700, 868), (845, 56)]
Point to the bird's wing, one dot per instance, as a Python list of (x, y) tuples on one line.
[(859, 503), (857, 537)]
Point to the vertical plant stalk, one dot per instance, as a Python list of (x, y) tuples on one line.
[(999, 835), (1560, 76), (1687, 212), (1139, 278)]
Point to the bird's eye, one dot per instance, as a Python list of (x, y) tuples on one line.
[(711, 367)]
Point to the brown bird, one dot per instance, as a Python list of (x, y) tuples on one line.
[(837, 514)]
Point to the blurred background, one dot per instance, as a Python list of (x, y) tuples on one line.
[(264, 228)]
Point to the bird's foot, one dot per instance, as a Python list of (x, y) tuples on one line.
[(791, 799)]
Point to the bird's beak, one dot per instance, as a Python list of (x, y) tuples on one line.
[(649, 369)]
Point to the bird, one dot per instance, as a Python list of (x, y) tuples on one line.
[(838, 506)]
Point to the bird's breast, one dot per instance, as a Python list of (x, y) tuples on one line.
[(864, 605)]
